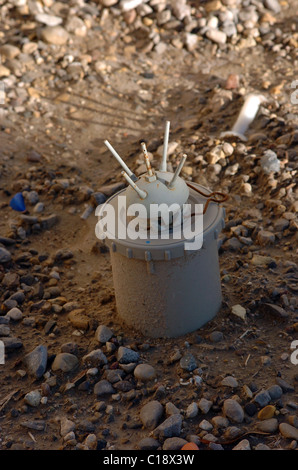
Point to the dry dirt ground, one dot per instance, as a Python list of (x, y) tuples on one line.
[(55, 134)]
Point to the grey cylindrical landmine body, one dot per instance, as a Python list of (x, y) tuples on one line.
[(163, 290)]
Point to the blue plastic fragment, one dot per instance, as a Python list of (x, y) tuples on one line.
[(17, 203)]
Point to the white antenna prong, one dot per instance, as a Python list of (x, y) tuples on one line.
[(147, 161), (140, 192), (119, 159), (163, 165), (178, 170)]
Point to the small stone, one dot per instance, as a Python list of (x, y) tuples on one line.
[(4, 71), (65, 362), (220, 422), (173, 443), (5, 255), (250, 409), (148, 443), (171, 427), (262, 447), (233, 410), (267, 412), (15, 314), (78, 319), (192, 411), (91, 441), (9, 51), (33, 398), (216, 36), (96, 358), (151, 413), (242, 445), (103, 387), (36, 361), (55, 35), (171, 409), (206, 425), (204, 405), (229, 381), (4, 330), (188, 362), (231, 84), (268, 425), (66, 426), (127, 355), (272, 5), (288, 431), (144, 372), (103, 334), (239, 311), (262, 398), (269, 162), (265, 237), (285, 386), (216, 336)]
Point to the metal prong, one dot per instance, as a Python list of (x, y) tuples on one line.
[(178, 170), (119, 159), (163, 165), (147, 161), (142, 194)]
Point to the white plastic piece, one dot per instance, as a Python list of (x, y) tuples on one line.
[(247, 114), (177, 172), (119, 159), (142, 194), (163, 165)]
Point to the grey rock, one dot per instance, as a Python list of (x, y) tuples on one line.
[(261, 447), (272, 5), (66, 426), (275, 392), (127, 355), (15, 314), (229, 381), (95, 358), (36, 361), (204, 405), (103, 387), (144, 372), (216, 36), (220, 422), (114, 375), (151, 413), (65, 362), (4, 330), (233, 410), (171, 409), (269, 162), (55, 35), (11, 343), (33, 398), (188, 362), (242, 445), (192, 411), (5, 255), (173, 443), (171, 427), (285, 386), (262, 398), (288, 431), (216, 336), (268, 425), (148, 443), (103, 334)]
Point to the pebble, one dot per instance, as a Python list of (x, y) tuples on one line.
[(242, 445), (127, 355), (272, 5), (188, 362), (5, 255), (95, 358), (204, 405), (265, 237), (267, 412), (144, 372), (56, 35), (79, 320), (288, 431), (262, 398), (103, 387), (171, 427), (151, 413), (173, 443), (103, 334), (205, 425), (229, 381), (216, 36), (65, 362), (66, 426), (270, 163), (233, 410), (148, 443), (192, 410), (268, 425), (36, 361), (15, 314), (216, 336), (171, 409), (33, 398)]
